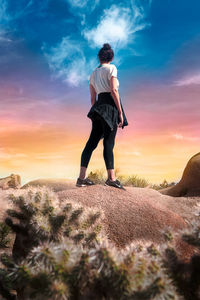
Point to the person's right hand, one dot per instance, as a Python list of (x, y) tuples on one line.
[(121, 120)]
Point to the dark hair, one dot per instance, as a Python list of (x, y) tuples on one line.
[(106, 53)]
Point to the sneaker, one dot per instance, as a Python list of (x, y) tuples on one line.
[(116, 183), (84, 182)]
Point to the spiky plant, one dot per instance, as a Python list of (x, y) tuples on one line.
[(66, 270), (36, 219), (4, 235), (70, 258), (186, 275)]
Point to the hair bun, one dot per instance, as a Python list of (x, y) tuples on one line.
[(106, 46)]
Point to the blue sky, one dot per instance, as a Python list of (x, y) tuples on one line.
[(58, 41), (48, 50)]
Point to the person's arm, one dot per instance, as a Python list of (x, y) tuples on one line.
[(112, 76), (114, 93), (92, 94)]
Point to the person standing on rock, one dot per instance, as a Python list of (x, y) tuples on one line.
[(106, 113)]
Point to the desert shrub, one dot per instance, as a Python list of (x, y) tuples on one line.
[(162, 185), (98, 176), (134, 180), (66, 255)]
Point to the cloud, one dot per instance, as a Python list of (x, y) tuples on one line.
[(47, 156), (117, 26), (4, 21), (5, 155), (136, 153), (4, 38), (91, 4), (7, 18), (189, 80), (81, 8), (68, 62), (4, 15), (178, 136)]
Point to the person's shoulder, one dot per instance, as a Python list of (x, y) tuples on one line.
[(112, 69), (93, 70), (113, 66), (92, 73)]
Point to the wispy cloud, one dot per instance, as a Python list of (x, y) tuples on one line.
[(4, 154), (68, 62), (178, 136), (91, 4), (117, 26), (47, 156), (4, 15), (188, 80), (136, 153), (4, 20), (6, 27)]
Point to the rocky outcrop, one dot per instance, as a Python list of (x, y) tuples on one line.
[(189, 185), (12, 181), (136, 215)]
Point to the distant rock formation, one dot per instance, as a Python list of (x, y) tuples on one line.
[(189, 185), (12, 181), (56, 184)]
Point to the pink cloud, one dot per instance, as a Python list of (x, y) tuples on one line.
[(189, 80)]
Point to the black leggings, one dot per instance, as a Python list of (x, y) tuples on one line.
[(99, 127)]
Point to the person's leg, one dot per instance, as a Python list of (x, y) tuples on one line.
[(108, 143), (111, 174), (82, 173), (91, 144)]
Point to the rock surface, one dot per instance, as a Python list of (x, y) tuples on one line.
[(189, 185), (57, 184), (136, 215), (11, 181)]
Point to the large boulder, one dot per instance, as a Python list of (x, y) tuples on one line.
[(189, 185), (11, 181), (136, 215)]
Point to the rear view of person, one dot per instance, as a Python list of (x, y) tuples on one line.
[(106, 113)]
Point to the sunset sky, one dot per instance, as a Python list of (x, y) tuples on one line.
[(48, 50)]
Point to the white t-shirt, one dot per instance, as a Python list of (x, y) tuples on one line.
[(100, 77)]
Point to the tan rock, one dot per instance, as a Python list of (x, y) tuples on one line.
[(12, 181), (56, 184), (189, 185), (137, 214)]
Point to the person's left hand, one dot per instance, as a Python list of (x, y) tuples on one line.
[(121, 120)]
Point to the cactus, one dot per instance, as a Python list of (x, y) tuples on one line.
[(62, 252)]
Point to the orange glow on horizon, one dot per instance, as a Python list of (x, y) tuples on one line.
[(46, 140)]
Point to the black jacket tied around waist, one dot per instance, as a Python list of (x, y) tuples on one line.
[(105, 106)]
